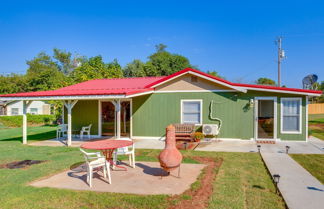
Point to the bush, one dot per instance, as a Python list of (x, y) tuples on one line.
[(16, 120)]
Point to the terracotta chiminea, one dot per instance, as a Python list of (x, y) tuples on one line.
[(170, 158)]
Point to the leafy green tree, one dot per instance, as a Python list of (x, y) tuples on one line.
[(95, 68), (135, 69), (66, 62), (44, 74), (266, 81), (12, 83), (165, 63)]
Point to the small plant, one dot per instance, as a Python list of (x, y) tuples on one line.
[(198, 136)]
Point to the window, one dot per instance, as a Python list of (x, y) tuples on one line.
[(291, 115), (33, 111), (191, 111), (14, 111)]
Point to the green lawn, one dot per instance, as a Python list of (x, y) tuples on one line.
[(313, 163), (316, 125), (242, 180), (34, 133)]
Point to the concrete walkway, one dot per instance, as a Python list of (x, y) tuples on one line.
[(313, 146), (298, 187)]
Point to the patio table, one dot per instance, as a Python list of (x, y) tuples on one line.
[(107, 147)]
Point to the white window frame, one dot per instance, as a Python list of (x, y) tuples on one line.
[(33, 113), (300, 114), (11, 111), (191, 100)]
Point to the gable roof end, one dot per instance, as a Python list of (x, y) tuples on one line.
[(196, 73)]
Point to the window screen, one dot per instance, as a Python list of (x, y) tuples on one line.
[(191, 112)]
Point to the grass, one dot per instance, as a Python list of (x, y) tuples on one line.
[(313, 163), (34, 133), (316, 125), (242, 180)]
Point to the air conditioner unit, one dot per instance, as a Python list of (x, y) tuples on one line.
[(210, 129)]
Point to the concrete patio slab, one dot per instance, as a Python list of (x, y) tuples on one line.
[(298, 187), (145, 179)]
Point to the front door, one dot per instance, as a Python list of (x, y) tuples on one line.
[(265, 118)]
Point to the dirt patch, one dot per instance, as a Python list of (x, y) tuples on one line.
[(199, 197), (317, 126), (21, 164)]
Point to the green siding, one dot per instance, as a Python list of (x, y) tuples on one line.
[(84, 112), (152, 113)]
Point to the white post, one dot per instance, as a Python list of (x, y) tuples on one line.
[(69, 105), (118, 118), (25, 106), (69, 134), (63, 113)]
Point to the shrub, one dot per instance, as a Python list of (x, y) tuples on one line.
[(16, 120)]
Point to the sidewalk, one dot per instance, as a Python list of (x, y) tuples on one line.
[(298, 187)]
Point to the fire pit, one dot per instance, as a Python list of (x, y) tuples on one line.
[(170, 158), (21, 164)]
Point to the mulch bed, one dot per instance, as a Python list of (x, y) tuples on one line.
[(200, 197), (21, 164), (185, 145)]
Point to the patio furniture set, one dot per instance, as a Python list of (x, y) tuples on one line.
[(63, 128), (107, 158)]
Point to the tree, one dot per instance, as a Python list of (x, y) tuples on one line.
[(266, 81), (95, 68), (135, 69), (65, 61), (44, 74), (164, 63), (12, 83)]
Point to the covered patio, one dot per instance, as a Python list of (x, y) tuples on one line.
[(116, 91)]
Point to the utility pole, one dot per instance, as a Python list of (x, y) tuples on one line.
[(281, 56)]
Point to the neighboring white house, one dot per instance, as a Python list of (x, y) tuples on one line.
[(16, 108)]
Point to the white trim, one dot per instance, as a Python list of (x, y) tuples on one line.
[(189, 91), (275, 115), (300, 115), (82, 97), (307, 102), (192, 100), (139, 94), (282, 91), (242, 89), (150, 137)]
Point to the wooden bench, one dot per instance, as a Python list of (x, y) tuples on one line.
[(184, 132)]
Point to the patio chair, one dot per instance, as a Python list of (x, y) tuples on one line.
[(130, 151), (85, 130), (61, 129), (96, 160)]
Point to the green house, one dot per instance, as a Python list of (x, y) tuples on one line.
[(141, 108)]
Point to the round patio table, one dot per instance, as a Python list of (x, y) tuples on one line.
[(107, 147)]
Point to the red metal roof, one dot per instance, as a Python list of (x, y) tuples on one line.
[(130, 86), (115, 86)]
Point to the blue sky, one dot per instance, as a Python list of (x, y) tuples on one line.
[(235, 38)]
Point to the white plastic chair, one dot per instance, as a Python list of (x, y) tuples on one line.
[(61, 129), (130, 151), (96, 162), (85, 130)]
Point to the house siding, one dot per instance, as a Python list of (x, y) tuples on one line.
[(84, 112), (152, 113)]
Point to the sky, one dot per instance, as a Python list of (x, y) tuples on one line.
[(234, 38)]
